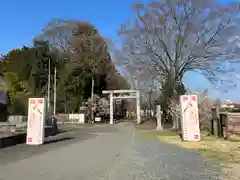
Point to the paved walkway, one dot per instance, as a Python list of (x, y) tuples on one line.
[(105, 152)]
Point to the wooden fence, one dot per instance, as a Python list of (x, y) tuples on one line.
[(231, 122), (225, 124)]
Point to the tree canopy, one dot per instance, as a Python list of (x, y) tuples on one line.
[(78, 52)]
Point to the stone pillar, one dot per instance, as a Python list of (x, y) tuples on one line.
[(138, 107), (159, 118), (111, 108)]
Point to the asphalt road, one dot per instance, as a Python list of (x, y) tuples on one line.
[(73, 134), (103, 152)]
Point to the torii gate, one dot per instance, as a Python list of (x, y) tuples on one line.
[(124, 94)]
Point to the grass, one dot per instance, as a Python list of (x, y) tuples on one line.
[(155, 134)]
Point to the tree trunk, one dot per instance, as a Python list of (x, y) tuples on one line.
[(176, 123), (92, 103), (175, 126), (65, 101)]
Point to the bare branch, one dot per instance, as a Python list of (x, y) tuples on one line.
[(177, 36)]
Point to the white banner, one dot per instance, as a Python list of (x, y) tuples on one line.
[(36, 121), (190, 118)]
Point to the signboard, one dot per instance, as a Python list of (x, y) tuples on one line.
[(77, 118), (98, 119), (36, 121), (189, 118)]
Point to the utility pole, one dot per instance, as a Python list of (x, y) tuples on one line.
[(55, 91), (150, 96), (49, 85), (150, 102), (136, 83), (92, 100)]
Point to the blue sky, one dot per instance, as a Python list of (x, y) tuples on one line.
[(22, 20)]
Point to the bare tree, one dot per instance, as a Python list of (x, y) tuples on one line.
[(205, 104), (58, 33), (171, 37)]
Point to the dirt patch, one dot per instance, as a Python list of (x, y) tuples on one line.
[(226, 152)]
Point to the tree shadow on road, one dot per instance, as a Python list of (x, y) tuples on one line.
[(58, 140)]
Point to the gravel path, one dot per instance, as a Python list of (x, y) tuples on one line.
[(111, 153), (147, 159)]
